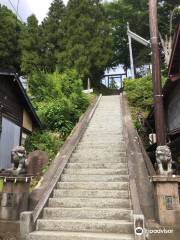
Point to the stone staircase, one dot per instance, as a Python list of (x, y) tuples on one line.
[(92, 200)]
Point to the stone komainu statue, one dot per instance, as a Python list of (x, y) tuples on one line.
[(164, 160), (30, 165), (19, 161)]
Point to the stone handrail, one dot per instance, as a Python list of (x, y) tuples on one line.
[(148, 162), (140, 186)]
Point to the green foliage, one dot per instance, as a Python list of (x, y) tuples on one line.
[(41, 88), (69, 82), (139, 93), (136, 13), (58, 116), (140, 97), (52, 35), (1, 185), (164, 9), (9, 48), (87, 35), (87, 40), (30, 46), (59, 100), (44, 141)]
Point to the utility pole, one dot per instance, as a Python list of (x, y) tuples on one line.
[(156, 75), (131, 54)]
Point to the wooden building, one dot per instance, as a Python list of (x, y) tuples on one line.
[(17, 116), (171, 90)]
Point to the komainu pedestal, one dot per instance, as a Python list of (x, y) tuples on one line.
[(14, 198), (167, 199)]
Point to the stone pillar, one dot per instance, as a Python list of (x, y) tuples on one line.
[(26, 225), (167, 199), (14, 199)]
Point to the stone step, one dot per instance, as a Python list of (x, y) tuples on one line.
[(103, 134), (100, 171), (87, 213), (58, 193), (89, 202), (96, 178), (94, 185), (85, 148), (85, 158), (99, 155), (96, 147), (84, 225), (95, 164), (99, 140), (99, 135), (112, 150), (102, 142), (49, 235), (116, 129), (116, 126)]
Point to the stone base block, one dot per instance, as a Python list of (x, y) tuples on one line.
[(167, 199)]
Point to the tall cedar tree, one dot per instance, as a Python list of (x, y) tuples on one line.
[(30, 45), (87, 40), (9, 49), (52, 35)]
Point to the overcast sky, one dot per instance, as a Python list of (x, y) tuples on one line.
[(27, 7)]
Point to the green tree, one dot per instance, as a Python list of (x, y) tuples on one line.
[(164, 10), (52, 34), (30, 42), (136, 13), (10, 28), (87, 40), (41, 87)]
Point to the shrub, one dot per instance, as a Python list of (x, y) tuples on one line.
[(41, 87), (140, 97), (60, 102), (57, 116), (63, 101), (139, 93), (44, 141), (79, 102)]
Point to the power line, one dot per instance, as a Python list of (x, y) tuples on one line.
[(16, 10)]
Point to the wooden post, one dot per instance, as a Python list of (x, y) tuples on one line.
[(156, 74)]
